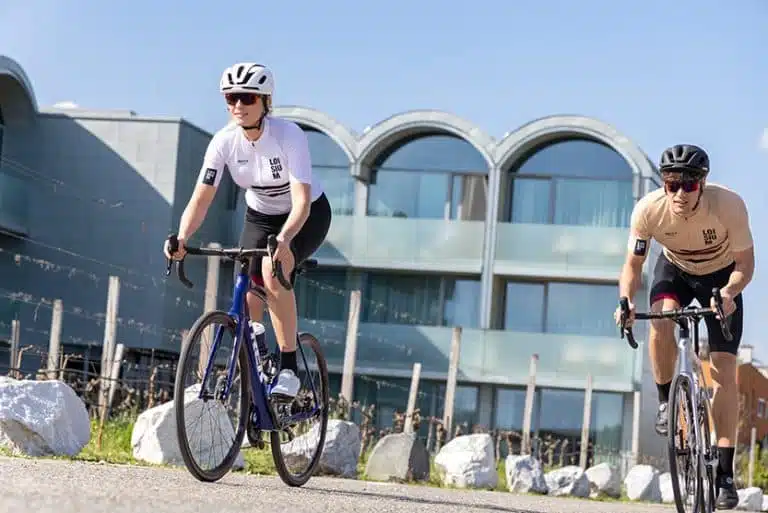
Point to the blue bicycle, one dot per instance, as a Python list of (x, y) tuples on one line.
[(245, 372)]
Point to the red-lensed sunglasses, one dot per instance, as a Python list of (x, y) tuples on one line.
[(686, 185), (245, 98)]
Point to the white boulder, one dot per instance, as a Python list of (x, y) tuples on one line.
[(750, 499), (525, 475), (468, 461), (340, 451), (209, 430), (604, 480), (42, 418), (642, 484), (570, 480)]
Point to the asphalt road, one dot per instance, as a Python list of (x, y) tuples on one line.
[(40, 486)]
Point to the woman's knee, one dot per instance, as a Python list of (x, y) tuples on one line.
[(272, 283)]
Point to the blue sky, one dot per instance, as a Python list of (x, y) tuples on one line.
[(661, 72)]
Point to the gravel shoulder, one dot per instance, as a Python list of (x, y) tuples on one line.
[(46, 485)]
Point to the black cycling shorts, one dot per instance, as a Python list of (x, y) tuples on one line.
[(258, 227), (669, 281)]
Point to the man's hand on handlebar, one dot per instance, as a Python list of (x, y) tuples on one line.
[(618, 316), (178, 251), (728, 304)]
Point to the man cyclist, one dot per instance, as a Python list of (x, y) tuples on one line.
[(269, 157), (704, 231)]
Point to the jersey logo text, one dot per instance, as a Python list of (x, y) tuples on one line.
[(640, 247), (710, 235), (210, 176), (276, 166)]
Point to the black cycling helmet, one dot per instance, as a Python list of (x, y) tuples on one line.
[(687, 159)]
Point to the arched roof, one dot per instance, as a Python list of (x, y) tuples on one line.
[(518, 143), (323, 123), (385, 134), (11, 68)]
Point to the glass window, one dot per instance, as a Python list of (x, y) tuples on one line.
[(461, 307), (584, 182), (323, 295), (524, 307), (464, 407), (561, 415), (509, 409), (408, 194), (331, 164), (605, 425), (469, 195), (2, 127), (429, 300), (430, 177), (402, 299), (581, 308)]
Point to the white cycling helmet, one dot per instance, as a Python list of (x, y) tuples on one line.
[(247, 77)]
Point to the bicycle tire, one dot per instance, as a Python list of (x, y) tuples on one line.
[(708, 493), (277, 454), (221, 318), (684, 384)]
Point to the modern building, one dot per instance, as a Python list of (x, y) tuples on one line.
[(518, 240)]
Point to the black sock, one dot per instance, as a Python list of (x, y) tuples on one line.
[(288, 361), (725, 463), (663, 392)]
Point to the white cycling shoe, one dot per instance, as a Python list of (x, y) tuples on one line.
[(287, 385)]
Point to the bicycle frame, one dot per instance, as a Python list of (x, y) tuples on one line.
[(263, 416)]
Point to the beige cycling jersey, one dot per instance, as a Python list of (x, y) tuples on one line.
[(703, 242)]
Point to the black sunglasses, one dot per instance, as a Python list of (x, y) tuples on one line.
[(686, 185), (245, 98)]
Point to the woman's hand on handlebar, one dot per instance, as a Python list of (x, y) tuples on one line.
[(179, 252)]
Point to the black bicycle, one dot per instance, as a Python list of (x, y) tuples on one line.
[(692, 455), (256, 370)]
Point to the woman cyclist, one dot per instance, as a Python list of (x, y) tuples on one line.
[(269, 157)]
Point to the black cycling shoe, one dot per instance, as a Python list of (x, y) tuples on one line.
[(727, 497), (662, 419)]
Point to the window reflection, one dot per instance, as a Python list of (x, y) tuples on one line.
[(524, 307), (572, 182), (429, 177), (560, 417), (560, 307), (331, 164), (430, 300), (581, 308), (323, 296), (605, 423)]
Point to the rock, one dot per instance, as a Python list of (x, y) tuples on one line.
[(642, 484), (468, 461), (42, 418), (341, 450), (525, 475), (400, 457), (570, 480), (665, 487), (765, 503), (154, 437), (604, 481), (750, 499)]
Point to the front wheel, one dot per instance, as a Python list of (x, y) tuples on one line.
[(297, 460), (684, 467), (218, 437)]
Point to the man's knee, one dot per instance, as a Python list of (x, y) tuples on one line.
[(663, 329)]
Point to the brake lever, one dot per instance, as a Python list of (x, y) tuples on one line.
[(624, 303), (724, 321), (173, 247)]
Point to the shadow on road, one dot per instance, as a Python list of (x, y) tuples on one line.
[(418, 500)]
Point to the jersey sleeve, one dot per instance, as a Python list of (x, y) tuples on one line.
[(297, 151), (213, 164), (639, 231), (733, 211)]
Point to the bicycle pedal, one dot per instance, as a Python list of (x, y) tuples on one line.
[(281, 399)]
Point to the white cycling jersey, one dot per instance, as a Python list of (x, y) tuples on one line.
[(266, 167)]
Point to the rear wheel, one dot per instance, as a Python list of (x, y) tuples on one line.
[(298, 458), (218, 439), (684, 465)]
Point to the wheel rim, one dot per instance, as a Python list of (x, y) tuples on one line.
[(211, 423)]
